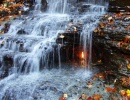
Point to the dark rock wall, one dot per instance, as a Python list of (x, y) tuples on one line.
[(119, 5), (111, 42), (119, 2)]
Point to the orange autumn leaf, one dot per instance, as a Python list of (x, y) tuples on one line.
[(109, 89), (111, 23), (15, 6), (102, 25), (89, 98), (127, 38), (97, 96), (122, 92), (98, 74), (117, 15)]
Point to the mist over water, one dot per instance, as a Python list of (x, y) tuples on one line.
[(26, 80)]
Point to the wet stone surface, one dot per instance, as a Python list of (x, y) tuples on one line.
[(111, 43)]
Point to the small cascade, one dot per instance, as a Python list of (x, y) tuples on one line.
[(92, 16), (38, 5), (58, 6)]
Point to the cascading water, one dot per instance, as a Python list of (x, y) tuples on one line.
[(29, 44), (58, 6), (38, 5), (86, 34)]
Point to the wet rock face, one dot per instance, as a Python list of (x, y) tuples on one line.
[(111, 42), (119, 5), (8, 60), (21, 32), (84, 8), (5, 65), (44, 5), (119, 2)]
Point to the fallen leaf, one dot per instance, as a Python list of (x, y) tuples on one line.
[(97, 96), (95, 31), (109, 89), (89, 98), (111, 22), (90, 86), (128, 66), (128, 92), (122, 92), (110, 18), (99, 61)]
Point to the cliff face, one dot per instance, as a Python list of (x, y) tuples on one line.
[(111, 42)]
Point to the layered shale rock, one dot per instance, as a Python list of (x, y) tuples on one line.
[(111, 42)]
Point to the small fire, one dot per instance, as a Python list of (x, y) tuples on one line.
[(82, 54)]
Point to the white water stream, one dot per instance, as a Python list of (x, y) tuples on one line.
[(41, 32)]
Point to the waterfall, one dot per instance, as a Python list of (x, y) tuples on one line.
[(58, 6), (28, 49), (29, 45), (38, 5), (92, 16)]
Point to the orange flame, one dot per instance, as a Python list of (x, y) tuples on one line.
[(82, 54)]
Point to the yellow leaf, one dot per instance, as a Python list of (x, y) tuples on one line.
[(128, 92), (128, 66)]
